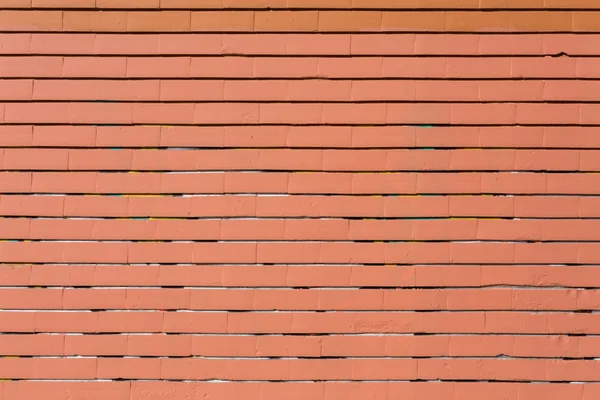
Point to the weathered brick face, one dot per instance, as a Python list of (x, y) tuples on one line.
[(300, 199)]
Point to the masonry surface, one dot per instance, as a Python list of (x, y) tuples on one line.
[(300, 199)]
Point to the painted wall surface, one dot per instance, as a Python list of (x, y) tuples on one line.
[(300, 199)]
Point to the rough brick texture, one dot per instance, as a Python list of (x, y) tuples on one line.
[(300, 199)]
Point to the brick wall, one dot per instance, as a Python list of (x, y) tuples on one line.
[(300, 199)]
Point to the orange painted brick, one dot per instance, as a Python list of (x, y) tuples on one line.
[(112, 322), (214, 113), (15, 182), (94, 21), (190, 4), (36, 112), (361, 113), (162, 113), (231, 21), (168, 345), (552, 21), (16, 43), (163, 21), (95, 345), (178, 67), (95, 90), (24, 159), (415, 21), (19, 389), (127, 3), (48, 368), (480, 21), (89, 67), (287, 21), (16, 89), (256, 90), (457, 67), (16, 3), (445, 44), (415, 113), (469, 160), (290, 113), (545, 67), (312, 90), (350, 22), (318, 44), (37, 345), (13, 20), (282, 67), (129, 368), (97, 112), (62, 3)]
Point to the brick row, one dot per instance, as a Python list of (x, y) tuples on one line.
[(301, 252), (252, 113), (301, 206), (140, 390), (302, 4), (471, 322), (298, 90), (292, 21), (300, 44), (157, 345), (299, 160), (373, 183), (301, 276), (298, 21), (301, 229), (300, 300), (298, 136), (302, 67), (294, 370)]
